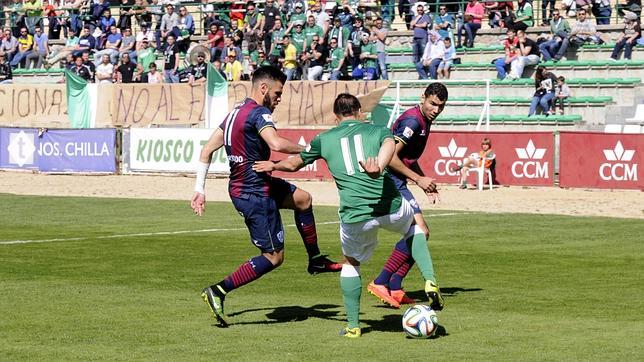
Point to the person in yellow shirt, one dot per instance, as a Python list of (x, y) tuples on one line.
[(25, 46), (233, 68), (289, 62)]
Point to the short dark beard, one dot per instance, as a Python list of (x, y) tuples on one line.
[(266, 102)]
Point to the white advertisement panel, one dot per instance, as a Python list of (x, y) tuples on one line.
[(170, 149)]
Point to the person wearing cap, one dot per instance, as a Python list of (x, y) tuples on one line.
[(297, 14), (6, 76), (339, 32), (233, 68), (146, 55), (421, 23), (628, 38), (199, 71)]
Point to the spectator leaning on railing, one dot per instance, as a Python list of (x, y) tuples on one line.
[(557, 45)]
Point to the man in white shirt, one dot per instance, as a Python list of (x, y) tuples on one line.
[(105, 71), (432, 57)]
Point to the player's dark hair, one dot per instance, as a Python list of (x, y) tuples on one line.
[(437, 89), (268, 72), (346, 105)]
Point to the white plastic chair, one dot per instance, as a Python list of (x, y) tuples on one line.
[(613, 128), (632, 128), (481, 172), (639, 115)]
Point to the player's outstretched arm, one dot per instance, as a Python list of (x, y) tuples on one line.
[(290, 164), (215, 142), (279, 144)]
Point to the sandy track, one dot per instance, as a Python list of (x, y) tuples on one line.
[(625, 204)]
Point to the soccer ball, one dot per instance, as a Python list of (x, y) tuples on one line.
[(420, 321)]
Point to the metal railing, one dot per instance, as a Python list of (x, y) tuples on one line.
[(486, 103)]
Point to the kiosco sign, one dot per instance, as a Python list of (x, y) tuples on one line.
[(521, 158), (601, 160)]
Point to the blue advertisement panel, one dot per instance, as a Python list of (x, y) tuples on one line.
[(87, 150), (18, 148)]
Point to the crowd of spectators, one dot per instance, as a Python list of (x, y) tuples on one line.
[(308, 39)]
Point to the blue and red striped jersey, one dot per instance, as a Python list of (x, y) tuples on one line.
[(412, 129)]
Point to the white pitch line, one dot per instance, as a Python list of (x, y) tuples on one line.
[(161, 233)]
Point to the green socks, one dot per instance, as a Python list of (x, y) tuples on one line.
[(420, 253), (351, 290)]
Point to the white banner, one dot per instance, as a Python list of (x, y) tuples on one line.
[(169, 149)]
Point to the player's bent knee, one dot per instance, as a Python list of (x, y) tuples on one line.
[(276, 258), (303, 200)]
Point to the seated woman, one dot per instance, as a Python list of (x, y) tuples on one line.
[(545, 83), (483, 158)]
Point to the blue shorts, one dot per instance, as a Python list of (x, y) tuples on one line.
[(262, 216), (401, 185)]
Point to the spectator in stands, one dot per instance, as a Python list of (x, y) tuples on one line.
[(125, 15), (311, 29), (145, 55), (584, 31), (59, 52), (207, 14), (511, 46), (252, 23), (380, 36), (387, 12), (198, 71), (145, 33), (523, 17), (9, 46), (369, 58), (105, 70), (33, 14), (296, 13), (128, 45), (347, 16), (602, 11), (230, 48), (557, 45), (634, 6), (233, 68), (157, 12), (336, 59), (474, 12), (126, 70), (215, 41), (107, 22), (81, 69), (527, 54), (236, 34), (112, 45), (444, 22), (14, 13), (545, 20), (186, 28), (432, 56), (6, 76), (169, 24), (289, 62), (323, 18), (154, 76), (584, 4), (141, 13), (75, 22), (448, 58), (354, 43), (562, 92), (498, 11), (54, 22), (628, 38), (25, 46), (544, 83), (271, 12), (88, 63), (339, 32), (421, 23), (171, 61), (405, 12), (277, 43), (86, 42), (475, 160), (317, 59), (40, 49)]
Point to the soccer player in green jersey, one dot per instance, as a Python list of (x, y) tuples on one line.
[(357, 154)]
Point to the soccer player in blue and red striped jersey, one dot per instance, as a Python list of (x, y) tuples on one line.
[(411, 131), (248, 135)]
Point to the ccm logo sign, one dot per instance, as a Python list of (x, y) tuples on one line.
[(530, 164), (451, 156), (619, 167)]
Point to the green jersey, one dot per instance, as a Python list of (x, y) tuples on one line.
[(278, 36), (361, 197), (298, 41), (301, 17), (336, 56), (309, 31), (370, 49)]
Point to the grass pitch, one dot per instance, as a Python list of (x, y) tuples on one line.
[(111, 285)]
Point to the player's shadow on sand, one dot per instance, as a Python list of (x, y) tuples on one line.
[(293, 314), (448, 292)]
